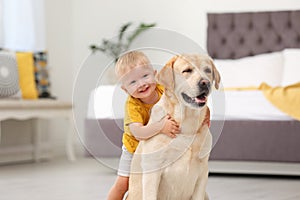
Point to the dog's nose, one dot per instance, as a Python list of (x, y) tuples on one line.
[(204, 84)]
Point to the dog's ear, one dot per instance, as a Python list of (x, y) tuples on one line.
[(216, 74), (166, 76)]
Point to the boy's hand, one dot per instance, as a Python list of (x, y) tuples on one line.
[(170, 126)]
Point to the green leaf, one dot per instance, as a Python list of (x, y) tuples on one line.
[(123, 29), (141, 28)]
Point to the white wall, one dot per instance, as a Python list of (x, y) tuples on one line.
[(60, 51), (72, 25)]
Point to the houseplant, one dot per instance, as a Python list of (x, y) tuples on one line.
[(113, 47)]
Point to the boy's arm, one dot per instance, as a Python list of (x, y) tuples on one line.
[(167, 126)]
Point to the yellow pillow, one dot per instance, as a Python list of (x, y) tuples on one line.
[(26, 75)]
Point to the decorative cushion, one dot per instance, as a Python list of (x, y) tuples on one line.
[(291, 67), (41, 74), (26, 75), (9, 78), (251, 71)]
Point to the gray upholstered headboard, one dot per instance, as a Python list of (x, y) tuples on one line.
[(236, 35)]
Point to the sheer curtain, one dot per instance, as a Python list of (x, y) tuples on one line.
[(22, 25), (1, 24)]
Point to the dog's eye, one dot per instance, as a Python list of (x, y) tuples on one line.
[(187, 70), (207, 70)]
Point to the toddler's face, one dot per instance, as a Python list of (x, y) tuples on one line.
[(139, 82)]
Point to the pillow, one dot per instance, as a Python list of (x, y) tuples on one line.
[(41, 75), (251, 71), (9, 78), (291, 67), (26, 75)]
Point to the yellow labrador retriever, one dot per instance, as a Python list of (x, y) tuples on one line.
[(165, 168)]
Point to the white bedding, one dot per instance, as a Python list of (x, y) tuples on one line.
[(250, 105), (108, 102)]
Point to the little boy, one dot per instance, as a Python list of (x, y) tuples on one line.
[(137, 78)]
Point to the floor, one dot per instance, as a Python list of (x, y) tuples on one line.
[(88, 179)]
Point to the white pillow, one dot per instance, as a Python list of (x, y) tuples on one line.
[(251, 71), (291, 67)]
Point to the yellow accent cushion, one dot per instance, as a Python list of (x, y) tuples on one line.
[(26, 75)]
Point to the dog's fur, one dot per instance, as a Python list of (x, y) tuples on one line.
[(177, 169)]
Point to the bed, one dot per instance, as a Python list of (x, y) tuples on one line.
[(257, 47), (256, 138)]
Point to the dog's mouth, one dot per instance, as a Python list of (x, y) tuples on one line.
[(197, 101)]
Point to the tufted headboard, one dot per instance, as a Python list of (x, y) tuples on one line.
[(236, 35)]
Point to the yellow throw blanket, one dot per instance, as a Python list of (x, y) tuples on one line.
[(286, 99)]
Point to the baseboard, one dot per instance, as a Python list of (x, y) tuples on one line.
[(23, 153), (255, 168)]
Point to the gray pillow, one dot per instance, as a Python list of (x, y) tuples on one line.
[(9, 76)]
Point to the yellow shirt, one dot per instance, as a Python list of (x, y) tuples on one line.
[(136, 111)]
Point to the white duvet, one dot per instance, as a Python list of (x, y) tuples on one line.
[(250, 105)]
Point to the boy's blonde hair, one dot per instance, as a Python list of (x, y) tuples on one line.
[(129, 61)]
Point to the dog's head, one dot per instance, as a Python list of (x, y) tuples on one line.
[(190, 78)]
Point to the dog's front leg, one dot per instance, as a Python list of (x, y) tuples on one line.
[(200, 188), (150, 185), (205, 197)]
